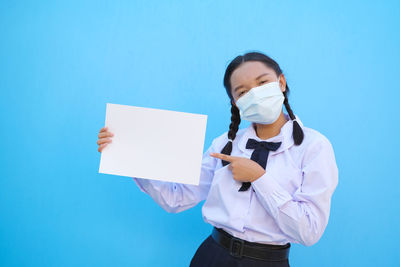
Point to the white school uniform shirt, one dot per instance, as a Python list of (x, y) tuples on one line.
[(289, 203)]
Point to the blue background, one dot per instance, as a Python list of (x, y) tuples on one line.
[(62, 61)]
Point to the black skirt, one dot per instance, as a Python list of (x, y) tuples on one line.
[(212, 254)]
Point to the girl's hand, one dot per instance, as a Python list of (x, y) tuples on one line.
[(243, 169), (104, 138)]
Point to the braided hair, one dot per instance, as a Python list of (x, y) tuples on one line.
[(298, 134)]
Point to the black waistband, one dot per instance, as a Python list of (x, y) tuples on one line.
[(238, 247)]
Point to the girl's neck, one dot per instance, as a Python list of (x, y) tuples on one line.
[(266, 131)]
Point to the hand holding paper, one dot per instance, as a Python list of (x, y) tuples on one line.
[(104, 138)]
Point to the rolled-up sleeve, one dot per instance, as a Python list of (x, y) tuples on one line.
[(304, 215), (177, 197)]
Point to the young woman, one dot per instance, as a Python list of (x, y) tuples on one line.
[(257, 209)]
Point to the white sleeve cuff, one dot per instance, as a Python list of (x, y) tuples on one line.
[(271, 193), (137, 181)]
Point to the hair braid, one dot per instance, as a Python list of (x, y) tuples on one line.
[(298, 134), (233, 128)]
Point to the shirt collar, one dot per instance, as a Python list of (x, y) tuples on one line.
[(284, 136)]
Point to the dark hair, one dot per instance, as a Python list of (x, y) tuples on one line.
[(298, 134)]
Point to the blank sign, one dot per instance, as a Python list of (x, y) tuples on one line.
[(154, 144)]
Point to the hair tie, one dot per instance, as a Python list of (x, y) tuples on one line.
[(294, 119), (230, 140)]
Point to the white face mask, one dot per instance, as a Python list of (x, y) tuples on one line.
[(261, 104)]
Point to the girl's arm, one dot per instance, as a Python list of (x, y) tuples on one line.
[(304, 216), (177, 197)]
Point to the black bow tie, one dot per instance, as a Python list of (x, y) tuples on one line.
[(259, 155)]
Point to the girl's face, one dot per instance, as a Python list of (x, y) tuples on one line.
[(252, 74)]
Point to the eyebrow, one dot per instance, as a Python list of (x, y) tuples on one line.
[(238, 87)]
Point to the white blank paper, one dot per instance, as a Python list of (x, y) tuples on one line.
[(154, 144)]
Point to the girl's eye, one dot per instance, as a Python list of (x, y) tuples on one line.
[(262, 82)]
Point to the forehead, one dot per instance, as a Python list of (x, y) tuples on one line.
[(248, 71)]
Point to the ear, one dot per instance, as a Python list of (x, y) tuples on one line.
[(233, 103), (282, 80)]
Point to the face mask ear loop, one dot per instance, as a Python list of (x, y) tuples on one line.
[(279, 84)]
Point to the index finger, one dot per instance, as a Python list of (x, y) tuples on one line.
[(222, 156)]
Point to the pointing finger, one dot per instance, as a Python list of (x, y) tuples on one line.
[(222, 156)]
